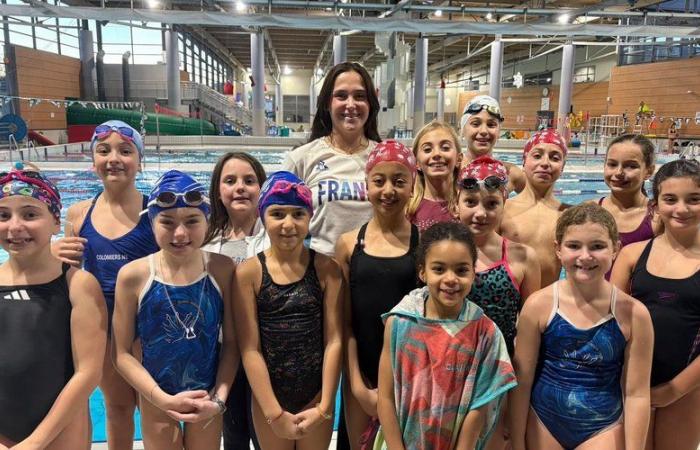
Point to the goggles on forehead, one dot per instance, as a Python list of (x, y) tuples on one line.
[(27, 176), (491, 183), (102, 131), (491, 109), (168, 199)]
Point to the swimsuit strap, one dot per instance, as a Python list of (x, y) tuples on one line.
[(613, 301), (152, 265), (555, 301), (360, 243), (504, 251), (600, 201), (415, 236)]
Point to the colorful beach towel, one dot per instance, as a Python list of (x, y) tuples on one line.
[(442, 370)]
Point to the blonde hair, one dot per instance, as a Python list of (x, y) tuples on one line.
[(419, 184)]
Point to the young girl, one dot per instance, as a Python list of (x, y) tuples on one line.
[(444, 366), (663, 274), (288, 320), (235, 230), (506, 272), (52, 324), (378, 263), (531, 216), (103, 234), (438, 153), (481, 127), (583, 352), (177, 302), (629, 162)]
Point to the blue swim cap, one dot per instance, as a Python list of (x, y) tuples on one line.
[(284, 188), (176, 189), (126, 131)]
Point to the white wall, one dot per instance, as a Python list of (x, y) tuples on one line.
[(146, 81)]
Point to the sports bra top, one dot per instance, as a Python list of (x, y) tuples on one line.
[(674, 306), (497, 292), (377, 284), (290, 320), (104, 257), (179, 329), (579, 361), (35, 352)]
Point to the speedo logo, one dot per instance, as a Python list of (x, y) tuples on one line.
[(17, 295)]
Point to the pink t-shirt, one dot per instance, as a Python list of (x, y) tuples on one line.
[(430, 212)]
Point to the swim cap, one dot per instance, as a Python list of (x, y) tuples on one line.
[(31, 183), (391, 151), (484, 167), (176, 189), (477, 104), (126, 131), (546, 136), (284, 188)]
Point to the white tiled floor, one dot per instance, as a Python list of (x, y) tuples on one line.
[(138, 445)]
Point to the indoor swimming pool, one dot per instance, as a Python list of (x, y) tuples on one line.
[(80, 184)]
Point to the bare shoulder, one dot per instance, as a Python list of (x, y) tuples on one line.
[(632, 252), (134, 271), (220, 265), (249, 270), (82, 281), (326, 266), (539, 305), (346, 241), (520, 253), (77, 212)]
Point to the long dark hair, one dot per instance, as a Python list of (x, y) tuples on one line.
[(323, 125), (218, 220)]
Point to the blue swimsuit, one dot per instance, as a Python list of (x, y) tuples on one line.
[(577, 392), (179, 330), (104, 257)]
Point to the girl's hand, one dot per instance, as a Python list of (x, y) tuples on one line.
[(368, 402), (664, 394), (286, 426), (183, 402), (204, 409), (69, 250), (309, 419)]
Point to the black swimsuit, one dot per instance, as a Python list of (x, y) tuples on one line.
[(36, 360), (290, 319), (674, 305), (377, 284)]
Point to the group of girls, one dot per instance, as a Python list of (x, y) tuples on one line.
[(201, 290)]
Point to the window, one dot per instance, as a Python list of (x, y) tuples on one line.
[(296, 108), (584, 74)]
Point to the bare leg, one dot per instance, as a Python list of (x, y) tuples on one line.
[(267, 439), (318, 439), (677, 426), (497, 441), (200, 436), (160, 431), (538, 436), (120, 402), (355, 417), (610, 439)]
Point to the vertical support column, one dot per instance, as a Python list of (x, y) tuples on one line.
[(419, 85), (257, 66), (312, 97), (172, 68), (279, 114), (441, 101), (566, 84), (496, 70), (100, 66), (87, 64), (340, 49)]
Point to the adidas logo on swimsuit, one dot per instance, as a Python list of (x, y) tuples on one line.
[(17, 295)]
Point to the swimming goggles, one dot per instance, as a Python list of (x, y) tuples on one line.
[(476, 108), (103, 131), (168, 199), (29, 177), (491, 183)]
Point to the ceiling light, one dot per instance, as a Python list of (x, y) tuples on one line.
[(240, 6), (438, 13), (319, 72), (287, 70), (153, 4), (489, 16), (563, 19)]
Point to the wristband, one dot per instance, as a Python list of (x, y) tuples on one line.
[(323, 415), (220, 404), (272, 419)]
